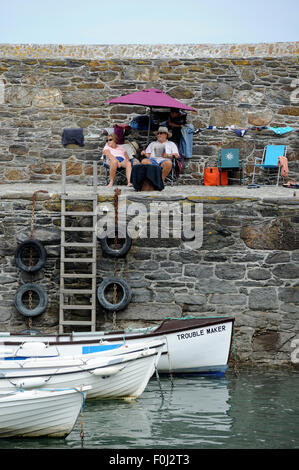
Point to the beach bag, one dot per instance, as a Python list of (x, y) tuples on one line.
[(141, 123), (211, 179)]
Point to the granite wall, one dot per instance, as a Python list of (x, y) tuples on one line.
[(44, 89), (247, 267)]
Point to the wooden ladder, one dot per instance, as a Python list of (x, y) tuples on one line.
[(64, 292)]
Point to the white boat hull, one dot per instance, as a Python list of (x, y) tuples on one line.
[(123, 376), (196, 346), (38, 413)]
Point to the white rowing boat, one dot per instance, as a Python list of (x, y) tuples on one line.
[(193, 345), (37, 413), (113, 376)]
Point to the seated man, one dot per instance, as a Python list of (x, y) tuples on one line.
[(175, 122), (161, 152), (117, 157)]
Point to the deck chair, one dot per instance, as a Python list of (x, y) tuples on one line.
[(120, 177), (228, 159), (269, 159), (171, 178)]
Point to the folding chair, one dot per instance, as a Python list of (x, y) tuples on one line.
[(269, 159), (171, 178), (120, 176), (228, 159)]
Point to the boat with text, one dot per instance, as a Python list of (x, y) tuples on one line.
[(192, 345)]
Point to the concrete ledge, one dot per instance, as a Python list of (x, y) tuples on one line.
[(196, 193), (151, 51)]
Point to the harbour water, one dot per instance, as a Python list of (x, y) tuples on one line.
[(255, 409)]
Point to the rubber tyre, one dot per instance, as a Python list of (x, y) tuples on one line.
[(43, 300), (126, 294), (37, 246), (116, 253)]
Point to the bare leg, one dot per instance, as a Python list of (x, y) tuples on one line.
[(113, 164), (166, 168), (127, 165)]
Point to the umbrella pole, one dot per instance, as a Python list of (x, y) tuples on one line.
[(149, 126)]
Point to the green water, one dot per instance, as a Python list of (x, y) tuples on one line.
[(253, 410)]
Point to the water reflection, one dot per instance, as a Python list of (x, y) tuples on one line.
[(192, 412), (256, 409)]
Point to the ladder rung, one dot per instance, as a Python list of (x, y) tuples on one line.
[(78, 244), (77, 229), (78, 276), (78, 260), (91, 213), (79, 198), (77, 307), (69, 322), (76, 291)]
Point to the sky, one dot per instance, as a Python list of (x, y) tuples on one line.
[(148, 21)]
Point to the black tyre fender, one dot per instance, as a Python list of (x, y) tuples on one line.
[(38, 247), (125, 298), (43, 300), (116, 253)]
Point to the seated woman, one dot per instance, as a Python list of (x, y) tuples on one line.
[(117, 157)]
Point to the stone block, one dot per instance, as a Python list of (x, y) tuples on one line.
[(190, 299), (6, 313), (215, 286), (260, 117), (290, 111), (274, 235), (199, 271), (228, 115), (142, 295), (227, 299), (164, 296), (157, 276), (47, 98), (278, 257), (287, 271), (263, 299), (230, 271), (150, 311), (289, 294), (259, 274), (266, 341)]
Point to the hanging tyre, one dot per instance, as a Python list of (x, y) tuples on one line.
[(41, 294), (21, 251), (102, 292), (124, 243)]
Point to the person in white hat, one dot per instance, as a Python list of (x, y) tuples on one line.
[(161, 152)]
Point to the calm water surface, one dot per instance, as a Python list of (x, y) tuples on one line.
[(253, 410)]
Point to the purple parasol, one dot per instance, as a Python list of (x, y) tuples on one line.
[(151, 98)]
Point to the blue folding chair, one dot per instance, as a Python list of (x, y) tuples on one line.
[(228, 159), (269, 159)]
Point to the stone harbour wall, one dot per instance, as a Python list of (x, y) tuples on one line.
[(44, 89), (247, 267)]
